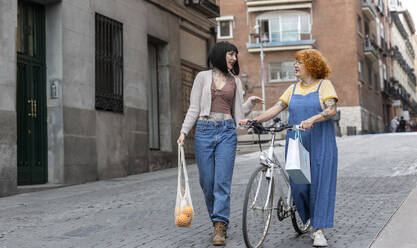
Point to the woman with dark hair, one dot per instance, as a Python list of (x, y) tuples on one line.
[(216, 104), (312, 103)]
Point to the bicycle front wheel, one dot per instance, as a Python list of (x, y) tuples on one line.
[(257, 208)]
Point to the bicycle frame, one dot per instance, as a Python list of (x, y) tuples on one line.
[(269, 160), (266, 173)]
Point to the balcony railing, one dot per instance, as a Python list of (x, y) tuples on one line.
[(281, 45), (388, 90), (380, 5), (369, 9), (370, 50), (256, 3), (413, 108), (396, 91), (405, 97), (397, 56), (207, 7)]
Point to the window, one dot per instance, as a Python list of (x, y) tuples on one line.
[(225, 27), (376, 81), (381, 73), (109, 64), (360, 70), (366, 28), (369, 75), (281, 71), (153, 97), (265, 28), (282, 27), (378, 32), (381, 6), (360, 25), (381, 30)]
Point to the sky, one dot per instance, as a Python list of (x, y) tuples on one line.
[(411, 5)]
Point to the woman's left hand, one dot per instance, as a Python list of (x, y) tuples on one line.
[(307, 124), (256, 99)]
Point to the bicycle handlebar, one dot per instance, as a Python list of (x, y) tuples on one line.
[(257, 126)]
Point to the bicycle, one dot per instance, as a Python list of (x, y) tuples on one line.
[(259, 195)]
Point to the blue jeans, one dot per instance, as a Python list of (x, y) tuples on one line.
[(215, 148)]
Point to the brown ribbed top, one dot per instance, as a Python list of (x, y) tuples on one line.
[(222, 99)]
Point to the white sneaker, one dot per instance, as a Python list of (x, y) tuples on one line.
[(319, 239)]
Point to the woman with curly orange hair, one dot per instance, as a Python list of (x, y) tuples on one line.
[(311, 103)]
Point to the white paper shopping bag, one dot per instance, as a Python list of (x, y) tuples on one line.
[(298, 161)]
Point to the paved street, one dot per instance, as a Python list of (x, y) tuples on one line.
[(376, 174)]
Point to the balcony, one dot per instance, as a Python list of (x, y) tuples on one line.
[(413, 108), (405, 97), (389, 90), (368, 10), (206, 7), (381, 7), (281, 46), (370, 51), (271, 5), (409, 70)]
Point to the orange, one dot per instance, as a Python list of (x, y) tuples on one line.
[(188, 210), (182, 220)]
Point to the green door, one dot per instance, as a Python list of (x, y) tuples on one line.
[(31, 95)]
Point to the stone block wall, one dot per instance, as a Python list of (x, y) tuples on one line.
[(118, 146), (8, 131)]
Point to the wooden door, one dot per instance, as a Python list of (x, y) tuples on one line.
[(189, 71)]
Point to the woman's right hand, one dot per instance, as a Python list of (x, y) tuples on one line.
[(243, 122), (181, 139)]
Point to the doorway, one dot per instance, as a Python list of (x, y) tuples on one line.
[(32, 148)]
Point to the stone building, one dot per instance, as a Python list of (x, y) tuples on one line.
[(94, 89), (353, 35), (403, 80)]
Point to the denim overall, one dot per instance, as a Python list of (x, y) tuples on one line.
[(315, 201), (215, 148)]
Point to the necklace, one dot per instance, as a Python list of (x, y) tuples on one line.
[(218, 76)]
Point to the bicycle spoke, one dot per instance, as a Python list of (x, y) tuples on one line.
[(258, 209)]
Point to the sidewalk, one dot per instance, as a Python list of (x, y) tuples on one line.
[(400, 231)]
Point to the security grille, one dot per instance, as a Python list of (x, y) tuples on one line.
[(109, 64)]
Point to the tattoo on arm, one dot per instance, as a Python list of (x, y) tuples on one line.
[(329, 106), (281, 104)]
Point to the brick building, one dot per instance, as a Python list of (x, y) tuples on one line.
[(95, 89), (353, 35)]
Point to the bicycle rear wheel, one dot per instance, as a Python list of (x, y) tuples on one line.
[(297, 223), (257, 217)]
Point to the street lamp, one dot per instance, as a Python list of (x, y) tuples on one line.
[(245, 82), (263, 38)]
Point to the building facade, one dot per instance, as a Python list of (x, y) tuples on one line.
[(353, 36), (403, 80), (96, 89)]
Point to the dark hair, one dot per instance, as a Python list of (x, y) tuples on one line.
[(217, 57)]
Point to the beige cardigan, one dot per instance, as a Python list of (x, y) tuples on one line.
[(200, 101)]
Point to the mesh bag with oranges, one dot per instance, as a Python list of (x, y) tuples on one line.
[(184, 211)]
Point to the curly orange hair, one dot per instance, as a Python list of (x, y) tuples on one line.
[(315, 63)]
